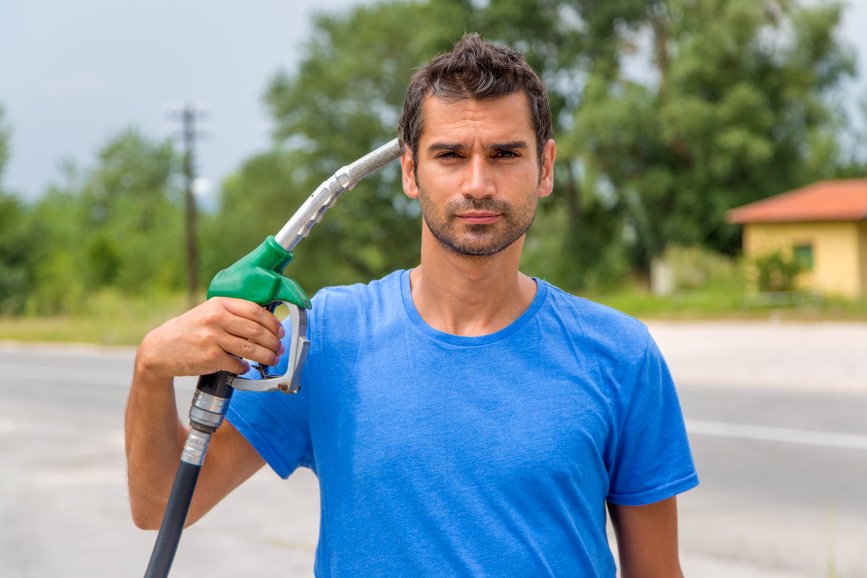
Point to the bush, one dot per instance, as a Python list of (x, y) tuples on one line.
[(777, 271), (684, 269)]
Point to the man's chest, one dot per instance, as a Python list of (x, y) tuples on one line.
[(492, 416)]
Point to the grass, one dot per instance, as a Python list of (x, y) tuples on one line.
[(111, 319), (106, 319), (732, 304)]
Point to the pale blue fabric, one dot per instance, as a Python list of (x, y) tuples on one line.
[(440, 455)]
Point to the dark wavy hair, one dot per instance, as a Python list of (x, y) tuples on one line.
[(474, 69)]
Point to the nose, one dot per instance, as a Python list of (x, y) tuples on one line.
[(477, 181)]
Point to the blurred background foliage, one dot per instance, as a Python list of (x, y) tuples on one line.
[(667, 113)]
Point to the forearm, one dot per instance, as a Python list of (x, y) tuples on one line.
[(628, 570), (647, 539), (154, 441), (208, 338)]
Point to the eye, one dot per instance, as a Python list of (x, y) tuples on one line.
[(507, 154)]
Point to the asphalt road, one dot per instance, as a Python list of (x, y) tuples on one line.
[(776, 415), (784, 484)]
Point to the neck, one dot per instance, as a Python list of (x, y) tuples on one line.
[(469, 296)]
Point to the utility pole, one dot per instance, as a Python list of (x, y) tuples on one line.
[(189, 116)]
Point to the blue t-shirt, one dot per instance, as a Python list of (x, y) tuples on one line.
[(441, 455)]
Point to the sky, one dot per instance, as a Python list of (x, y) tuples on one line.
[(75, 73)]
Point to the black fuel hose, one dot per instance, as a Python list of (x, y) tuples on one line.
[(210, 403), (173, 521)]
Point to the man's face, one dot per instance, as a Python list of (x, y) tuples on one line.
[(477, 176)]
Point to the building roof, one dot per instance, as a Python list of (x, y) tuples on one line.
[(842, 200)]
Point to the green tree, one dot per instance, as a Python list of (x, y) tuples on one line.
[(133, 215), (116, 225), (58, 222), (16, 275), (734, 108), (5, 134)]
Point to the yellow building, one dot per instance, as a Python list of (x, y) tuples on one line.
[(824, 224)]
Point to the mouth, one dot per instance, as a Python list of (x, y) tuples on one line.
[(478, 217)]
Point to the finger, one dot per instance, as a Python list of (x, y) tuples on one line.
[(253, 332), (234, 365), (249, 321), (249, 350), (254, 312)]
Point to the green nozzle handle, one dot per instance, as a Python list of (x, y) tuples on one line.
[(258, 277)]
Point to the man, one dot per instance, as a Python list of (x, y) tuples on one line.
[(462, 418)]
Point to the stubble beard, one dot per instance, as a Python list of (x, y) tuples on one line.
[(478, 240)]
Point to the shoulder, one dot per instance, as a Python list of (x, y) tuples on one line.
[(350, 302), (612, 343), (352, 295), (611, 335)]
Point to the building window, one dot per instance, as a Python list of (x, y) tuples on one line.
[(803, 253)]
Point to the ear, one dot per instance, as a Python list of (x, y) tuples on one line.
[(407, 167), (546, 178)]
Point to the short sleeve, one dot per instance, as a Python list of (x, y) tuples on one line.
[(276, 424), (652, 460)]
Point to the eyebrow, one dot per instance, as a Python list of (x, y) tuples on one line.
[(508, 146), (496, 147)]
